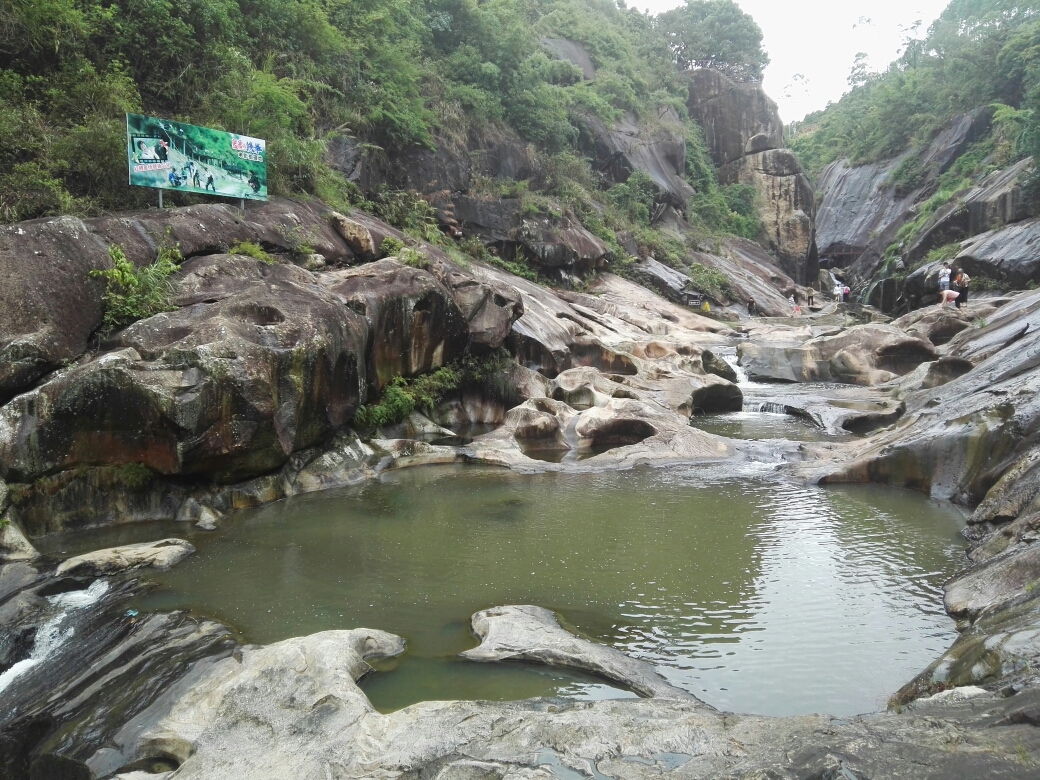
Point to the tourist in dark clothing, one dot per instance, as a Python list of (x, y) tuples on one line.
[(209, 183), (751, 307), (845, 293), (961, 282)]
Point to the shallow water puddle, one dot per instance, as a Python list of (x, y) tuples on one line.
[(756, 595)]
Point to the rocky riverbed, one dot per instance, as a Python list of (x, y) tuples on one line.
[(245, 394)]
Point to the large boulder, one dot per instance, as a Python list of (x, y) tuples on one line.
[(1008, 256), (937, 324), (414, 323), (49, 305), (737, 119), (561, 244), (364, 234), (228, 389), (160, 555), (669, 282), (993, 583), (862, 355), (533, 634), (787, 207)]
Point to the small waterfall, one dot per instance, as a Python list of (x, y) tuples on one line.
[(764, 407), (742, 377), (50, 635)]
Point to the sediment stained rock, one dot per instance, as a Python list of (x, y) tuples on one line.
[(414, 323)]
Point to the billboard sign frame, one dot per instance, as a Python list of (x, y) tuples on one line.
[(175, 156)]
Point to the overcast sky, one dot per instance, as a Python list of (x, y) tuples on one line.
[(813, 43)]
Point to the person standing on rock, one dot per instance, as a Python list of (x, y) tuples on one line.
[(809, 293), (961, 282), (845, 293), (839, 290), (751, 307), (944, 277)]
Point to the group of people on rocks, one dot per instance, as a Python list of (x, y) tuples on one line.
[(953, 287), (960, 281)]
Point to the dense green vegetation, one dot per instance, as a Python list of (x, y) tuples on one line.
[(395, 74), (977, 52), (134, 293)]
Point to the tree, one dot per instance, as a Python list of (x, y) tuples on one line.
[(715, 34)]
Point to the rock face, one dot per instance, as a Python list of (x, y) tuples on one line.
[(737, 119), (228, 388), (1008, 255), (532, 634), (864, 354), (659, 151), (746, 140), (490, 308), (49, 305), (863, 209), (789, 211), (415, 324), (995, 202), (957, 439), (572, 52), (858, 205)]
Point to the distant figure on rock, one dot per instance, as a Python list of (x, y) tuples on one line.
[(845, 293), (838, 292), (948, 295), (961, 283), (752, 308), (809, 297), (944, 277)]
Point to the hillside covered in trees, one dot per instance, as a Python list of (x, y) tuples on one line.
[(392, 76), (976, 53)]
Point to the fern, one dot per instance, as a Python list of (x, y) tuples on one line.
[(132, 294)]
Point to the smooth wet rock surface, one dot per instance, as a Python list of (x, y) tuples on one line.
[(159, 555), (532, 634)]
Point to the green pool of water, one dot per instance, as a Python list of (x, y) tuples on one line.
[(761, 425), (757, 595)]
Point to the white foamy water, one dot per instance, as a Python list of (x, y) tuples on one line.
[(51, 635)]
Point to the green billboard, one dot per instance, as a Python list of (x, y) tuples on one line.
[(171, 155)]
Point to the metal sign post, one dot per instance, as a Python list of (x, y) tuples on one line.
[(160, 199)]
